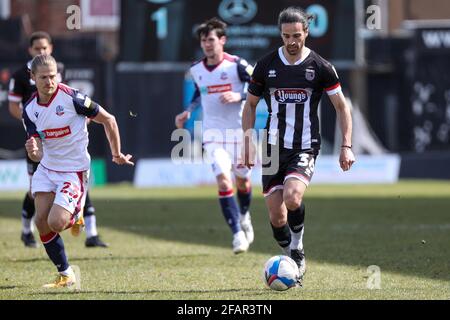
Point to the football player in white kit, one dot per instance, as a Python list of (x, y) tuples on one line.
[(56, 122), (220, 81)]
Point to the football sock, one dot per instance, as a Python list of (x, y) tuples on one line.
[(54, 246), (27, 225), (230, 210), (89, 218), (282, 235), (296, 220), (67, 272), (244, 197), (91, 225), (27, 214), (88, 205)]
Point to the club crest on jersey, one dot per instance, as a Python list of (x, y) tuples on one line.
[(224, 76), (310, 74), (291, 95), (59, 110)]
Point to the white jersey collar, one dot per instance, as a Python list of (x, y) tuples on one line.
[(283, 58)]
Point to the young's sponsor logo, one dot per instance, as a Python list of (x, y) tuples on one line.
[(291, 95)]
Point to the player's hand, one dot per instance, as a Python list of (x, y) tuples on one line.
[(31, 146), (346, 159), (230, 97), (248, 153), (181, 119), (123, 159)]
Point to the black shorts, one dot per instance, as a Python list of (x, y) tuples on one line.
[(31, 165), (297, 164)]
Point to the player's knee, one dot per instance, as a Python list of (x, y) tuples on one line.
[(224, 184), (243, 184), (292, 200), (40, 222), (57, 224)]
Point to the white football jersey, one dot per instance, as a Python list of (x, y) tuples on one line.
[(229, 75), (61, 124)]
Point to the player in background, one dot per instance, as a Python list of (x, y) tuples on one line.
[(20, 90), (220, 81), (56, 122), (292, 79)]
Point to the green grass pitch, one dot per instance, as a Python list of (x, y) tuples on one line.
[(174, 244)]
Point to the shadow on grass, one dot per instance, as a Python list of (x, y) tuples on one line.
[(71, 292), (109, 258), (404, 235)]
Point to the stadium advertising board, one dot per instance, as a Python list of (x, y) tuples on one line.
[(164, 30), (368, 169)]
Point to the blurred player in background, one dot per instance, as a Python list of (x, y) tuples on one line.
[(220, 81), (292, 79), (55, 120), (21, 89)]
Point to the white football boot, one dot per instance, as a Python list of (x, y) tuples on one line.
[(246, 225), (240, 243)]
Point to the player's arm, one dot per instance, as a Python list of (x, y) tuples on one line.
[(181, 118), (34, 149), (233, 97), (255, 91), (34, 144), (346, 157), (248, 123), (15, 109), (112, 133), (245, 72), (15, 94), (86, 107)]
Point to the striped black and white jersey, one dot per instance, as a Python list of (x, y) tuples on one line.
[(292, 93)]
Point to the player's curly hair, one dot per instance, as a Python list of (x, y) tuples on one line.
[(212, 24), (294, 15), (42, 60)]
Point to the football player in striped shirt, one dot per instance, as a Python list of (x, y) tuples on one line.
[(292, 79)]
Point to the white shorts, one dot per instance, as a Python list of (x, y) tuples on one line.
[(224, 158), (70, 188)]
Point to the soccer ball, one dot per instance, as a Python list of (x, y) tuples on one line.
[(281, 273)]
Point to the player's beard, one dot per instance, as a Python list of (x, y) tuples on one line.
[(294, 50)]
